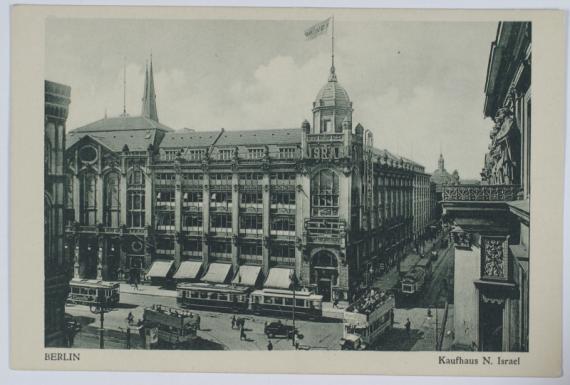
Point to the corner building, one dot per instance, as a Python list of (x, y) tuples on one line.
[(318, 203), (492, 220), (57, 100)]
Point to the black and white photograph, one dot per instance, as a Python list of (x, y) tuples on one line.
[(277, 191), (287, 185)]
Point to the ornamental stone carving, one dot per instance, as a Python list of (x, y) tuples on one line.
[(461, 239), (494, 258)]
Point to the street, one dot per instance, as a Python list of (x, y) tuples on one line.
[(216, 332), (422, 336)]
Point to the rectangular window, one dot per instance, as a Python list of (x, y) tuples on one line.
[(224, 154), (255, 153), (283, 197), (255, 197), (192, 197), (253, 248), (282, 253), (194, 154), (221, 220), (192, 221), (251, 221), (165, 220), (287, 152), (283, 224), (222, 247), (136, 208), (224, 197), (165, 198)]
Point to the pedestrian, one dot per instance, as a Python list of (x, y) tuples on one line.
[(233, 322), (269, 345), (392, 318), (128, 338), (130, 318), (242, 335), (198, 321), (408, 327)]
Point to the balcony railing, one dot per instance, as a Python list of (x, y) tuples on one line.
[(480, 193)]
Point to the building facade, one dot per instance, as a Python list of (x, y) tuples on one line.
[(492, 220), (317, 204), (57, 99)]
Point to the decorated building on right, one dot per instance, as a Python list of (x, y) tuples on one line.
[(492, 220)]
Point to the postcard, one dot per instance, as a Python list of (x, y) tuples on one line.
[(255, 190)]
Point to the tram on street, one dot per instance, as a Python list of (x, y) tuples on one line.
[(168, 327), (280, 302), (414, 281), (90, 291), (367, 319), (219, 297)]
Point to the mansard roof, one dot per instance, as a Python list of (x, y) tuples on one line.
[(281, 136), (122, 123)]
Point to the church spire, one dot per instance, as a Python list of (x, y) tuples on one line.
[(149, 96)]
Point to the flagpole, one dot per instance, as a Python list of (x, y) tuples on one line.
[(332, 41)]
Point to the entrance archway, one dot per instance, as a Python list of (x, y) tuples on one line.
[(324, 273)]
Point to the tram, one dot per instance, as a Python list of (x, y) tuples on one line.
[(414, 281), (280, 302), (167, 327), (219, 297), (90, 292)]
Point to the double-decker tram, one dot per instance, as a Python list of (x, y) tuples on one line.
[(208, 296), (170, 328), (91, 291), (367, 319), (281, 302)]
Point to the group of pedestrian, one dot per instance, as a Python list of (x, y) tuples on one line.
[(239, 323)]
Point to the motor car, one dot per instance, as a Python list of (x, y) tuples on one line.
[(352, 342), (278, 328)]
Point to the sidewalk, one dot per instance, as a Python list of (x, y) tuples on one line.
[(147, 290)]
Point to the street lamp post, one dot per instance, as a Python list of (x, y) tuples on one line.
[(293, 278), (100, 308)]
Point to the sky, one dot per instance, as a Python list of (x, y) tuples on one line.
[(418, 86)]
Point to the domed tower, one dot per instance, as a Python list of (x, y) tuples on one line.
[(331, 107)]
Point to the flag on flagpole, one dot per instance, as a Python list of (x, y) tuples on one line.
[(317, 29)]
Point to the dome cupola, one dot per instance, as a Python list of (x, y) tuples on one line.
[(331, 107)]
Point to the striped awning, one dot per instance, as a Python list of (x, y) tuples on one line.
[(160, 269), (217, 273), (188, 270), (247, 275), (279, 278)]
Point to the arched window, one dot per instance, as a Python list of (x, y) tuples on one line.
[(135, 198), (88, 199), (324, 194), (112, 206), (47, 156)]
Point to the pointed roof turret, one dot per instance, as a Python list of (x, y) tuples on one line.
[(149, 96)]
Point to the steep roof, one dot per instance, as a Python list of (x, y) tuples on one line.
[(122, 123), (282, 136), (136, 140)]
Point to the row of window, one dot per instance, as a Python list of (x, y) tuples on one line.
[(225, 154)]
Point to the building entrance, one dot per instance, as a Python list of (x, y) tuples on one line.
[(324, 273), (491, 327)]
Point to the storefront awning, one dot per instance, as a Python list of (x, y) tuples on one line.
[(279, 278), (247, 275), (188, 270), (217, 273), (160, 269)]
